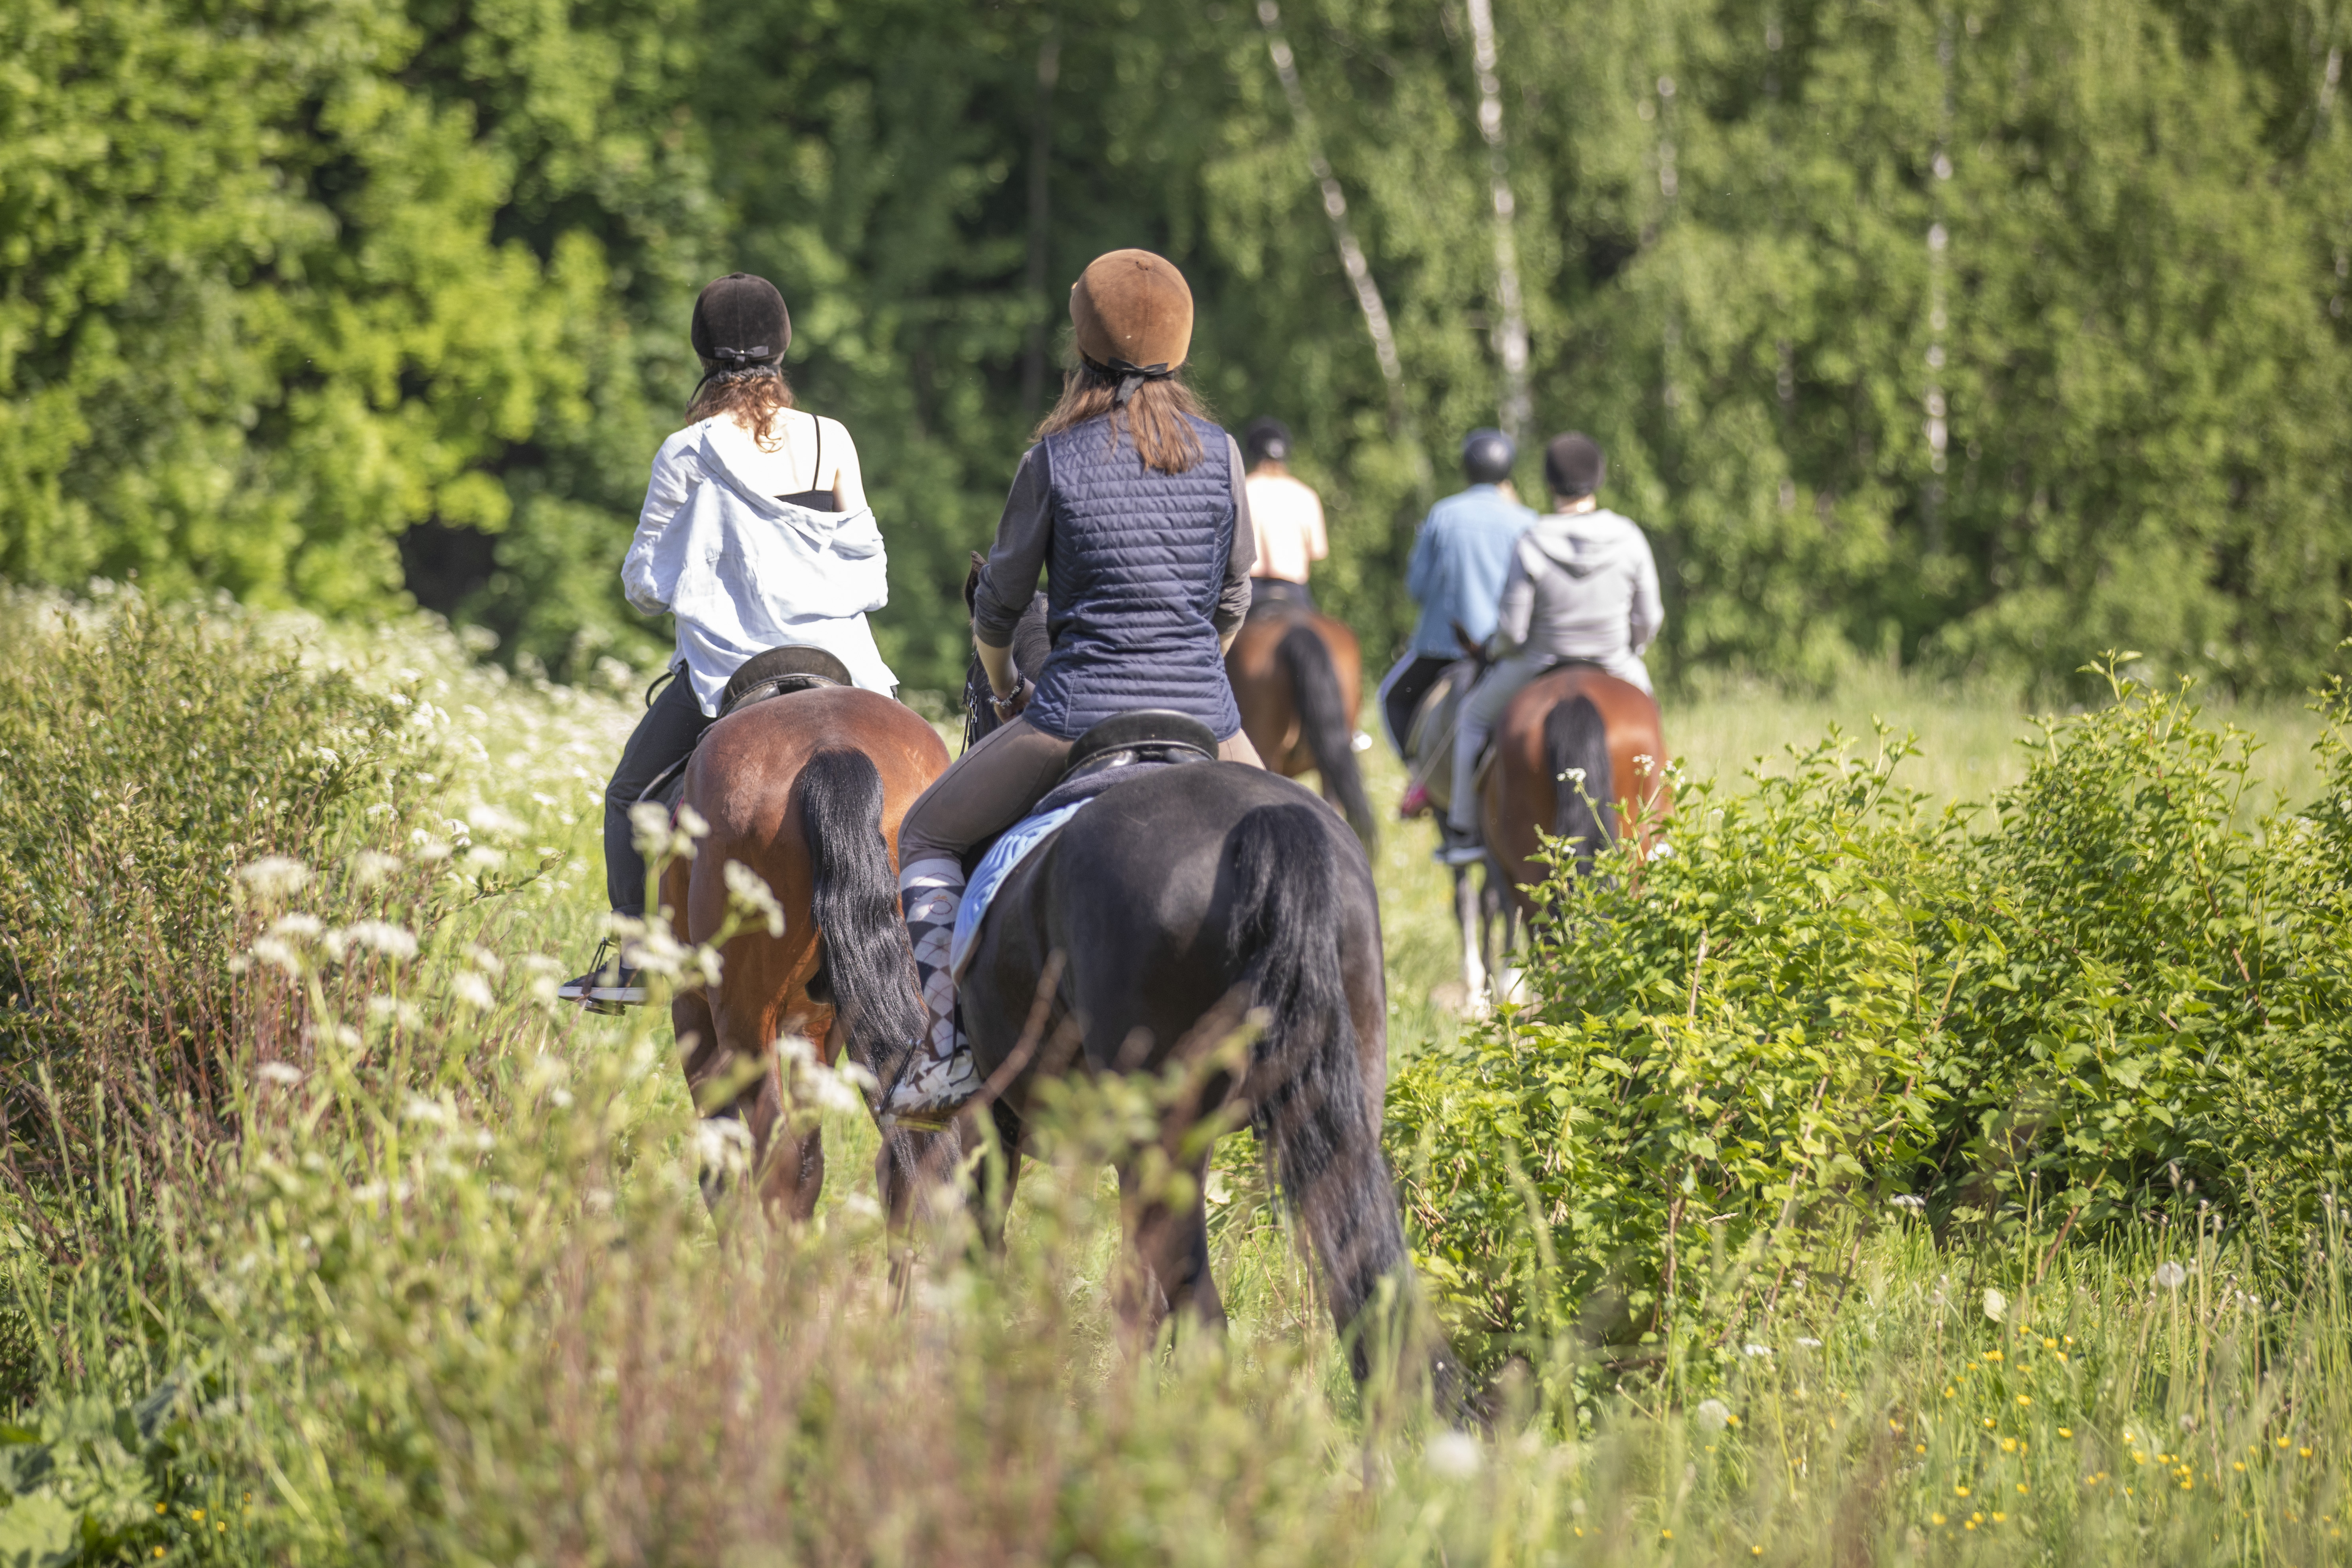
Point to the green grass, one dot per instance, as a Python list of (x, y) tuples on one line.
[(437, 1285)]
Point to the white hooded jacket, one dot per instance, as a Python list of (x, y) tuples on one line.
[(744, 572)]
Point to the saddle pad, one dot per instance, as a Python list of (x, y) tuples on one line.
[(1022, 840)]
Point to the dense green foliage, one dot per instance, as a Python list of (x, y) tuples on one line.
[(322, 302), (2122, 1004)]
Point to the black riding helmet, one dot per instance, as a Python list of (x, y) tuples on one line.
[(1487, 457), (1267, 441), (741, 323)]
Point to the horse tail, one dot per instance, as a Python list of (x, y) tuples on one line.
[(1576, 753), (1323, 720), (1307, 1085), (868, 967)]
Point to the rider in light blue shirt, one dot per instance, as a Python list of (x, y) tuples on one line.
[(1459, 563)]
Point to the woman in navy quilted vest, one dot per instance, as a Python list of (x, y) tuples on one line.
[(1131, 503)]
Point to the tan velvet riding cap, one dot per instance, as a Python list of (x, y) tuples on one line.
[(1132, 309)]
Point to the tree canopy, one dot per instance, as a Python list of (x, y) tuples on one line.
[(1979, 335)]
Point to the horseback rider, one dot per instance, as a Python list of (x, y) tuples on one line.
[(1133, 503), (1581, 585), (1287, 515), (755, 533), (1459, 562)]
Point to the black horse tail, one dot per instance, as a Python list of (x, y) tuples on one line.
[(1576, 753), (869, 970), (1313, 1108), (1323, 720)]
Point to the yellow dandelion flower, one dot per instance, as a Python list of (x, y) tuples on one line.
[(1959, 1491), (162, 1507), (2285, 1441), (1919, 1448), (2001, 1519), (2025, 1399), (197, 1514), (2066, 1431), (1666, 1535), (2305, 1452), (2238, 1465), (2062, 1357), (1935, 1519), (2049, 1344), (1755, 1552), (1947, 1394), (1992, 1355), (2020, 1489), (1968, 1524), (2008, 1445), (1987, 1423)]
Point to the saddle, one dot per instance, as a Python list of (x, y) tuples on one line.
[(1122, 747), (1429, 742), (775, 673)]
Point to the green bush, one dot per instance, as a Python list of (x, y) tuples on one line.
[(2123, 999)]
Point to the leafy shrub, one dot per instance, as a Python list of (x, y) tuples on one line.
[(1822, 996)]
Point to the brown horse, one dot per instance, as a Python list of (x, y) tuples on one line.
[(1299, 677), (1577, 753), (807, 789)]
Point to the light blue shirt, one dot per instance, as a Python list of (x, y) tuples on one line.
[(1459, 563)]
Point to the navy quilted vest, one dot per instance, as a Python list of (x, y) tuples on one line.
[(1137, 561)]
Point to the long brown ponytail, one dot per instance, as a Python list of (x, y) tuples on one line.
[(1153, 417)]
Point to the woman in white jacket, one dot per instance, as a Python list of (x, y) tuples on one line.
[(755, 533)]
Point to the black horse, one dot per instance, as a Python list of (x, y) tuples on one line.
[(1183, 905)]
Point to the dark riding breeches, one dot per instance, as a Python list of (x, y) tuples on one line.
[(662, 739), (1402, 693)]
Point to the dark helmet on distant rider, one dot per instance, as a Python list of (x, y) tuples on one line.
[(1487, 457), (1574, 466), (1267, 441)]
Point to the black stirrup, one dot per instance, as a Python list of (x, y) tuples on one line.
[(1159, 729)]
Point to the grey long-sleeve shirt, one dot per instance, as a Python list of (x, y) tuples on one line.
[(1581, 585), (1026, 533)]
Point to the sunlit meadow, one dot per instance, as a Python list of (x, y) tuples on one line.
[(332, 1238)]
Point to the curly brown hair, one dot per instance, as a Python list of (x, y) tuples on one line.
[(754, 397), (1153, 417)]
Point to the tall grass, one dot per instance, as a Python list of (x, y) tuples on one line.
[(437, 1282)]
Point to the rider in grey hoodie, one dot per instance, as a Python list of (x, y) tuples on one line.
[(1581, 585)]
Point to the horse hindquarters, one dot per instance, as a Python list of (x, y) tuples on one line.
[(1307, 1081), (1324, 725)]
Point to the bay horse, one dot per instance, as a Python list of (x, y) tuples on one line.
[(1577, 753), (1179, 906), (1298, 676), (807, 788)]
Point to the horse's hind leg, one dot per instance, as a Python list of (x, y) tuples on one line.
[(1167, 1266), (1470, 915)]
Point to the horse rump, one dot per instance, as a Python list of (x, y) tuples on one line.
[(1312, 1107), (1576, 754), (1323, 722), (868, 967)]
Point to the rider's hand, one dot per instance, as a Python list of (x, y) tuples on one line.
[(1008, 707)]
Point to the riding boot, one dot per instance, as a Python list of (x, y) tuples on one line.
[(937, 1078)]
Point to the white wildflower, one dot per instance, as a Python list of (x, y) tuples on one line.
[(405, 1014), (482, 858), (2171, 1276), (483, 959), (1455, 1455), (420, 1108), (276, 954), (1759, 1350), (370, 866), (274, 877), (1662, 850), (1809, 1344), (298, 924), (278, 1072), (748, 892), (394, 942), (1996, 1305), (722, 1145), (485, 817), (1573, 775), (1915, 1204), (1714, 1414), (429, 850), (472, 989)]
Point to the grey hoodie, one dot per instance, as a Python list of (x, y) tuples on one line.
[(1582, 585)]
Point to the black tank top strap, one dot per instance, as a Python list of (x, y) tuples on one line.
[(815, 500)]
